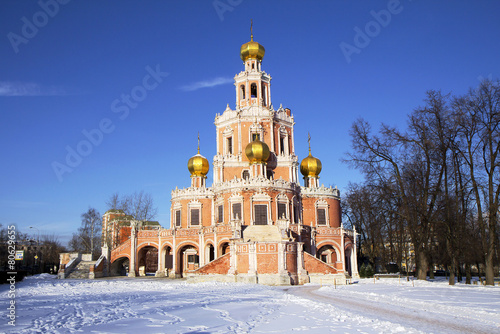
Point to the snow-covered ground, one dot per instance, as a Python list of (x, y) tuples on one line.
[(151, 305)]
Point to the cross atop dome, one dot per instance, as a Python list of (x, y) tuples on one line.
[(252, 50)]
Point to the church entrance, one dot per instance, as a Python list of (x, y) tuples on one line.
[(148, 260), (188, 260), (327, 254)]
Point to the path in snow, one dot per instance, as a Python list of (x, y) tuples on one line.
[(166, 306), (428, 315), (152, 305)]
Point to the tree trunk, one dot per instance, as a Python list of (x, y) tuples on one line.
[(468, 275), (489, 272), (422, 265), (451, 280)]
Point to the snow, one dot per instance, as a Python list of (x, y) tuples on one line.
[(45, 304)]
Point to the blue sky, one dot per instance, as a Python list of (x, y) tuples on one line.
[(150, 75)]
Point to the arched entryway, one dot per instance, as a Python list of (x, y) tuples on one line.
[(147, 260), (188, 259), (223, 248), (327, 254), (119, 267), (348, 262), (168, 257), (209, 253)]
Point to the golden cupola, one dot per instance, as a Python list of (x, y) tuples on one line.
[(257, 152), (310, 166), (198, 164), (252, 50)]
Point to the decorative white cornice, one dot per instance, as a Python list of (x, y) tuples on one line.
[(261, 196), (248, 114), (256, 184), (320, 191), (192, 192)]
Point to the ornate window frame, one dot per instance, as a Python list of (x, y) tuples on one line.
[(236, 199), (261, 199), (177, 207), (283, 199), (255, 128), (218, 203), (227, 136), (283, 140), (195, 205), (322, 205)]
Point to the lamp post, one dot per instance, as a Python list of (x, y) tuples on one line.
[(37, 243)]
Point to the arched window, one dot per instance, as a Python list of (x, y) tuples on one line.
[(264, 94), (242, 92), (253, 90)]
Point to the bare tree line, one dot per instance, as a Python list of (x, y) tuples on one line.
[(434, 187), (139, 205)]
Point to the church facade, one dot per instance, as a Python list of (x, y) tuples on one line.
[(256, 223)]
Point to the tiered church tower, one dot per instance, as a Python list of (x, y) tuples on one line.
[(255, 223)]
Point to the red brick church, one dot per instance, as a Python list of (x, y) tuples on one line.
[(256, 223)]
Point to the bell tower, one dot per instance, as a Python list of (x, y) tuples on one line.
[(254, 140), (253, 86)]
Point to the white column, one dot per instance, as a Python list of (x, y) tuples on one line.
[(281, 258), (252, 258), (133, 251), (216, 246), (174, 253), (201, 242), (354, 257), (161, 258), (239, 139), (342, 250), (271, 129), (232, 259), (269, 93)]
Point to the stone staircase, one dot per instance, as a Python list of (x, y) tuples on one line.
[(81, 270)]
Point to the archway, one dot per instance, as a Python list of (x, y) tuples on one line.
[(223, 248), (188, 259), (327, 254), (168, 259), (348, 263), (209, 253), (148, 260), (119, 267)]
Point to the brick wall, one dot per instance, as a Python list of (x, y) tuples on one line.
[(313, 265), (217, 266)]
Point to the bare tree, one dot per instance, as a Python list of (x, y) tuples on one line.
[(140, 205), (113, 203), (50, 247), (87, 240), (407, 163), (438, 182), (479, 114)]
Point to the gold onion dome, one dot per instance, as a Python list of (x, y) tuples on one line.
[(252, 50), (257, 152), (310, 166), (198, 165)]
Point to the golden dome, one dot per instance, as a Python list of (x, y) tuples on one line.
[(252, 50), (198, 165), (257, 152), (310, 166)]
